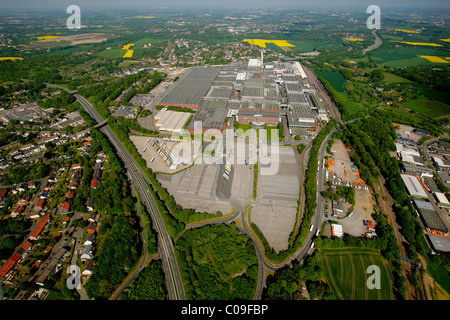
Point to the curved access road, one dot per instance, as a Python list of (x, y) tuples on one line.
[(378, 42)]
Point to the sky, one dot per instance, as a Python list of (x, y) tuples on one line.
[(31, 5)]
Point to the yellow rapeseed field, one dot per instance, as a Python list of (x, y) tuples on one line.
[(407, 31), (421, 43), (446, 40), (47, 37), (145, 17), (354, 39), (435, 59), (262, 43), (129, 52), (11, 58)]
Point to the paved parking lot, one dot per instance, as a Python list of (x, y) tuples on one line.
[(196, 188), (363, 210), (158, 164), (276, 205)]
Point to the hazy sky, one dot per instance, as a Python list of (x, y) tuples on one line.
[(27, 5)]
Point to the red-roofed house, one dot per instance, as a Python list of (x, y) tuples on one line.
[(94, 183), (37, 231), (8, 266), (70, 194), (27, 245), (92, 227), (75, 166), (3, 193), (65, 207), (40, 204), (48, 249)]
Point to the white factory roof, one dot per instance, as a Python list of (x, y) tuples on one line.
[(414, 186), (254, 63), (441, 198), (440, 162), (171, 120), (337, 229), (241, 76)]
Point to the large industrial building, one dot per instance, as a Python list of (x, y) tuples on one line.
[(430, 217), (254, 92), (171, 121), (414, 187)]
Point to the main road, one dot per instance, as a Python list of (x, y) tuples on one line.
[(141, 183), (378, 42)]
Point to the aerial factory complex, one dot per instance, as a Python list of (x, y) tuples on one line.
[(229, 154), (254, 92)]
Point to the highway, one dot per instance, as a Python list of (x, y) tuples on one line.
[(141, 181), (378, 42)]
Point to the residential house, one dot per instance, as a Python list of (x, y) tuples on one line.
[(92, 227), (40, 204), (88, 268), (90, 204), (75, 166), (94, 183), (65, 207), (77, 175), (90, 239), (87, 253), (73, 184), (70, 194), (93, 217)]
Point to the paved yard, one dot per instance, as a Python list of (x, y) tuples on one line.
[(276, 206)]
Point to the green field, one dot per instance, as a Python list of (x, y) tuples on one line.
[(353, 107), (346, 273), (308, 46), (113, 53), (336, 80), (387, 56), (434, 109), (405, 56), (409, 62), (392, 78), (138, 50)]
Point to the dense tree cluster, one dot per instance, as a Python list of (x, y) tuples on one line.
[(60, 100), (116, 257), (217, 262), (26, 173), (149, 285), (285, 282), (12, 232)]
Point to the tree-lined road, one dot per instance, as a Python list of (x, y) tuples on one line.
[(141, 182)]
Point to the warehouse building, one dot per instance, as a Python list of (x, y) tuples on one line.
[(210, 118), (190, 89), (430, 217), (171, 121), (438, 243), (442, 200), (259, 119), (250, 90), (414, 186), (302, 117)]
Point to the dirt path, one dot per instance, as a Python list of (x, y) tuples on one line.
[(386, 208)]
